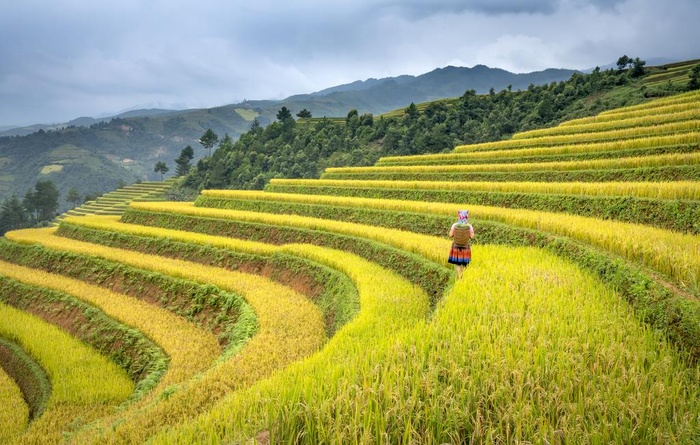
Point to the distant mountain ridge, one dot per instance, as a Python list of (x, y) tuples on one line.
[(452, 80), (374, 96), (83, 121), (379, 96)]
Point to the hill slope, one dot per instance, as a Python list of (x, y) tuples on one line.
[(325, 310)]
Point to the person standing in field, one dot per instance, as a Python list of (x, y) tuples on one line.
[(461, 233)]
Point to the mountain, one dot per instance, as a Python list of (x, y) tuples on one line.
[(379, 96), (80, 122), (97, 155)]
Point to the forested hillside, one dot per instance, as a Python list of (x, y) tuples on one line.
[(303, 148)]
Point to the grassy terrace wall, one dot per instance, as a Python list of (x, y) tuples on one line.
[(644, 168), (143, 361), (279, 340), (519, 156), (661, 173), (85, 384), (31, 379)]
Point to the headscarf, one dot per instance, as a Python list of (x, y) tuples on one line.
[(463, 216)]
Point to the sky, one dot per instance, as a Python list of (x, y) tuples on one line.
[(63, 59)]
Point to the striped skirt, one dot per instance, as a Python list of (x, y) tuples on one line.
[(460, 255)]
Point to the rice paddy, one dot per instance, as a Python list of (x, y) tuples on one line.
[(325, 311)]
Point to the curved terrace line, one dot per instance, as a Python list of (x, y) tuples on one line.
[(190, 349), (84, 383)]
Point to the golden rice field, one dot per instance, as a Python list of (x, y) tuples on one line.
[(582, 145), (14, 413), (672, 104), (617, 124), (498, 150), (598, 164), (565, 328), (662, 190), (638, 131), (85, 385)]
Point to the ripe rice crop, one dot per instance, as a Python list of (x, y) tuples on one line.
[(654, 119), (642, 110), (426, 246), (561, 153), (677, 129), (331, 291), (506, 148), (14, 412), (681, 190), (527, 348), (191, 350), (112, 223), (85, 385), (389, 305), (691, 97), (597, 164)]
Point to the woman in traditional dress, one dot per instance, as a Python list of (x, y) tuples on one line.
[(461, 233)]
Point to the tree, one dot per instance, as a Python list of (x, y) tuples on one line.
[(43, 201), (287, 123), (161, 168), (637, 67), (412, 111), (623, 62), (305, 114), (284, 114), (255, 126), (74, 196), (13, 215), (208, 139), (183, 161)]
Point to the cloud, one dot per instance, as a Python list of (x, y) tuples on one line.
[(422, 9), (68, 58)]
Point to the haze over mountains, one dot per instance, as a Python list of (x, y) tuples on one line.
[(374, 96)]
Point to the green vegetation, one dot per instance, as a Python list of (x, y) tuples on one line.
[(289, 149), (28, 375)]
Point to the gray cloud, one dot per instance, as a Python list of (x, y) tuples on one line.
[(69, 58), (422, 9)]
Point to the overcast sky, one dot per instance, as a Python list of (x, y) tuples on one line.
[(62, 59)]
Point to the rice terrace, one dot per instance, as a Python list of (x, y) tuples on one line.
[(324, 310)]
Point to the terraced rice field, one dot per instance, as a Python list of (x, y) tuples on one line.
[(324, 311), (115, 202)]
